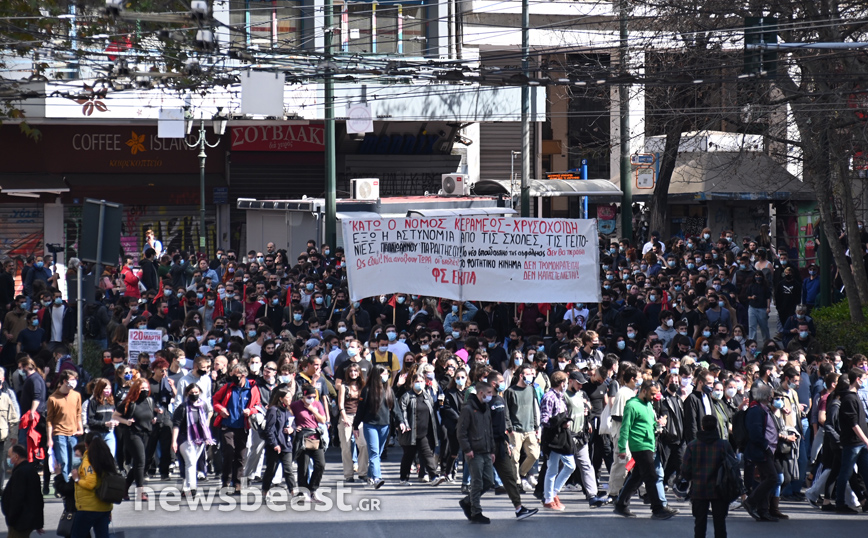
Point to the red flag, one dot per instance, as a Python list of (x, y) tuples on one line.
[(159, 294), (218, 309), (570, 306), (393, 302), (544, 308), (289, 295), (244, 296)]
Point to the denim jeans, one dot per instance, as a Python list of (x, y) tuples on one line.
[(852, 455), (556, 476), (84, 521), (110, 440), (375, 437), (758, 318), (63, 453)]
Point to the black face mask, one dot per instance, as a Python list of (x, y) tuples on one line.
[(194, 397), (673, 388), (201, 372)]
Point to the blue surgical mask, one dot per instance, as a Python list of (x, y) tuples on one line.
[(622, 344), (200, 296), (706, 334), (284, 379), (212, 342), (391, 335), (541, 349), (459, 381), (631, 335), (778, 404), (309, 286), (180, 293), (210, 302), (35, 322), (58, 300), (251, 334), (40, 265), (501, 387), (275, 302), (425, 347), (517, 362), (76, 462), (454, 309), (9, 463), (486, 399), (724, 350), (417, 386), (804, 334), (297, 317), (400, 300), (456, 334), (492, 345), (318, 300)]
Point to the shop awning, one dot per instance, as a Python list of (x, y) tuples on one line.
[(703, 175), (549, 188), (32, 185)]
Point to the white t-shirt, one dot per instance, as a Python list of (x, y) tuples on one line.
[(57, 323), (251, 350), (399, 350)]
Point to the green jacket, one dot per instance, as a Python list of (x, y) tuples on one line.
[(637, 426)]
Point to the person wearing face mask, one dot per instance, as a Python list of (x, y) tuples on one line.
[(386, 359), (453, 313), (163, 393), (805, 341), (30, 340), (396, 347), (234, 404), (853, 438), (671, 406), (417, 430), (136, 412), (100, 410), (349, 397), (22, 500), (788, 293), (450, 409), (666, 331), (255, 347), (191, 434), (764, 436), (476, 439), (375, 411), (811, 287), (272, 310), (791, 324), (63, 419), (759, 306), (524, 415)]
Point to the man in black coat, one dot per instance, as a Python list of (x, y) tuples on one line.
[(22, 502)]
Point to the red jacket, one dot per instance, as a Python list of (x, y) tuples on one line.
[(131, 280), (34, 438), (221, 400)]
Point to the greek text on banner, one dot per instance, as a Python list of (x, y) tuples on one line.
[(474, 258), (144, 341)]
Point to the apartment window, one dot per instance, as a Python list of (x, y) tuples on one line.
[(384, 29), (272, 24)]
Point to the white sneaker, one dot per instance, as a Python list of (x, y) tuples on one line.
[(426, 479), (526, 486), (404, 483), (438, 480), (532, 479), (200, 475)]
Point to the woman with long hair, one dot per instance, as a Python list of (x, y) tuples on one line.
[(92, 513), (279, 425), (453, 401), (191, 433), (375, 414), (136, 411), (100, 409), (349, 397)]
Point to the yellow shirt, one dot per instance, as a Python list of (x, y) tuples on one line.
[(85, 489)]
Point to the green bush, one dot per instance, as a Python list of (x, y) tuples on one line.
[(92, 357), (834, 328)]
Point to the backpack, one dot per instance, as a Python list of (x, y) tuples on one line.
[(728, 486), (739, 435), (388, 363), (112, 488), (91, 326)]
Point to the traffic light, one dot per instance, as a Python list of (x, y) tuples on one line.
[(760, 30)]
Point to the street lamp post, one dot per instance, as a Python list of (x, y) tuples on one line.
[(218, 124)]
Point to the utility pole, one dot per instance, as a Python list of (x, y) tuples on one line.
[(624, 111), (331, 176), (525, 110)]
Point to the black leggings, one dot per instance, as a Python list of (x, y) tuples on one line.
[(426, 457), (135, 444), (450, 454)]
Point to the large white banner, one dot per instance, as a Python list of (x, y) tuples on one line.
[(474, 258)]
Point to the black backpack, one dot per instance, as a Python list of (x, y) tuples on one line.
[(729, 484), (739, 435), (91, 326)]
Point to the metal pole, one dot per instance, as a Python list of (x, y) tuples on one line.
[(79, 310), (525, 111), (624, 112), (585, 177), (331, 178), (202, 233), (99, 239)]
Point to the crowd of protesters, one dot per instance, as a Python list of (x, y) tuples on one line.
[(675, 375)]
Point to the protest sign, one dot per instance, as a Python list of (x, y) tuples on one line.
[(474, 258), (144, 341)]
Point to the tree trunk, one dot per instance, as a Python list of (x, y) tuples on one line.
[(659, 207), (856, 247)]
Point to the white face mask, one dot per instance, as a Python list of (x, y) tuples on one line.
[(72, 383)]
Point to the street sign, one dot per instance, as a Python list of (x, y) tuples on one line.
[(645, 178), (642, 158), (221, 195)]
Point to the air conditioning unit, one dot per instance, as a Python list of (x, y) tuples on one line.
[(367, 188), (456, 184)]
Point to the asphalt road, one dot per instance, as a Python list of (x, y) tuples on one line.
[(398, 511)]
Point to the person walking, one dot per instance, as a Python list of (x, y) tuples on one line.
[(638, 427), (234, 403), (557, 441), (63, 423), (309, 414), (92, 512), (417, 424), (374, 415), (278, 435), (22, 502), (762, 442), (191, 433), (136, 412), (702, 459), (477, 442)]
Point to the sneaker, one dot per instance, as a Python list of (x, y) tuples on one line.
[(532, 479), (524, 513), (378, 483), (664, 514), (349, 480), (438, 480), (465, 506), (426, 479), (526, 485), (200, 475), (623, 512), (596, 502), (317, 498), (404, 483), (480, 519), (554, 506), (500, 490), (735, 505), (465, 489), (305, 498)]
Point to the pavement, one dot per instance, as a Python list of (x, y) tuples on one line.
[(364, 513)]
